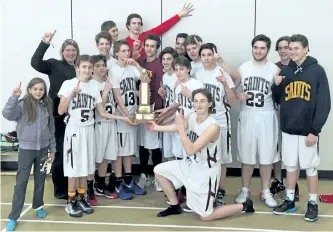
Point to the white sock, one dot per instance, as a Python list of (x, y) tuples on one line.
[(245, 190), (291, 194), (313, 197)]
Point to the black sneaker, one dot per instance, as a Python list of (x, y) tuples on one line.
[(277, 188), (296, 193), (85, 207), (248, 206), (73, 209), (219, 200), (286, 207), (312, 212), (171, 210)]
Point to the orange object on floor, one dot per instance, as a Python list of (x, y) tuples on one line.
[(327, 198)]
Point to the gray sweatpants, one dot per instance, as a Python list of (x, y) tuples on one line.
[(26, 159)]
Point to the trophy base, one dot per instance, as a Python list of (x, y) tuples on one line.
[(144, 118)]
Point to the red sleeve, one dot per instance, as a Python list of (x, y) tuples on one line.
[(164, 27)]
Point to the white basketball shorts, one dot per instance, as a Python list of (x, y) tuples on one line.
[(295, 153), (148, 139), (201, 183), (257, 136), (127, 144), (106, 141), (172, 146), (225, 145), (79, 150)]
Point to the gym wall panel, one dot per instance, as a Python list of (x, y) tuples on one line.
[(23, 26), (229, 24), (313, 19), (88, 17)]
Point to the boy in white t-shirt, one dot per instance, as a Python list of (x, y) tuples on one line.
[(222, 88), (124, 76)]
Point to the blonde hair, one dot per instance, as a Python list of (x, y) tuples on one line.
[(69, 42)]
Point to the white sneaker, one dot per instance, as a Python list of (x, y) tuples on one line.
[(242, 196), (268, 199), (157, 186), (144, 181)]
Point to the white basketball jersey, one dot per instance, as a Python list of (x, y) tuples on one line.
[(257, 82), (125, 78), (195, 66), (185, 103), (81, 107), (169, 82), (222, 108), (110, 103), (210, 155)]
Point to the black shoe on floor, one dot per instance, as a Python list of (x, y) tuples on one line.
[(171, 210)]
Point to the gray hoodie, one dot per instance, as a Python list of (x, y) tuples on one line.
[(35, 136)]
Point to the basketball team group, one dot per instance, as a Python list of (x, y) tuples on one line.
[(86, 120)]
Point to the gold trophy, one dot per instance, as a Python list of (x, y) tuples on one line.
[(145, 111)]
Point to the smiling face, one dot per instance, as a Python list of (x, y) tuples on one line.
[(167, 60), (193, 51), (180, 47), (85, 70), (182, 73), (70, 54), (114, 32), (207, 57), (259, 50), (201, 104), (99, 69), (150, 48), (104, 47), (37, 91), (298, 52), (283, 50)]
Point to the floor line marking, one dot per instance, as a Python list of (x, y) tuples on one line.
[(159, 208), (155, 225), (21, 215)]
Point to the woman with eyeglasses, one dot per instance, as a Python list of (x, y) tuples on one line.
[(58, 71)]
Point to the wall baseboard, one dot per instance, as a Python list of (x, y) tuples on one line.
[(236, 172)]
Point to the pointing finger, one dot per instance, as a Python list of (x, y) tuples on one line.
[(54, 32), (19, 85), (78, 83), (214, 51)]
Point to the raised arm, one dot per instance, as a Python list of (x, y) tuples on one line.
[(37, 62), (12, 110)]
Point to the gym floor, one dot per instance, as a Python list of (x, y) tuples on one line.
[(139, 214)]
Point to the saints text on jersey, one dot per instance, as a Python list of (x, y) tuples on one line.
[(169, 95), (82, 100), (256, 88)]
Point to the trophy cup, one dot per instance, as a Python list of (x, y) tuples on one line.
[(145, 111)]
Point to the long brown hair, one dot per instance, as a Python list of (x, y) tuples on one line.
[(30, 103)]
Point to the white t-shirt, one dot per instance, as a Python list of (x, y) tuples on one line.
[(184, 102), (222, 107), (195, 66), (210, 155), (125, 78), (257, 82), (110, 103), (81, 107), (169, 82)]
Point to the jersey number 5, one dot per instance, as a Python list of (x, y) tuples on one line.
[(84, 115), (256, 100)]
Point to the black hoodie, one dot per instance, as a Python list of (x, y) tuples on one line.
[(304, 98)]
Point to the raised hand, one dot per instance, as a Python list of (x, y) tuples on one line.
[(77, 89), (108, 86), (17, 91), (186, 10), (180, 121), (129, 61), (197, 42), (48, 36), (221, 78), (161, 91), (278, 80), (185, 91), (217, 57)]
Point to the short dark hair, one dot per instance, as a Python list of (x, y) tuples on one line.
[(301, 39), (97, 58), (182, 61), (118, 44), (132, 16), (107, 25), (207, 94), (181, 35), (209, 46), (103, 35), (262, 38), (283, 38), (83, 58), (169, 50), (190, 40), (153, 37)]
